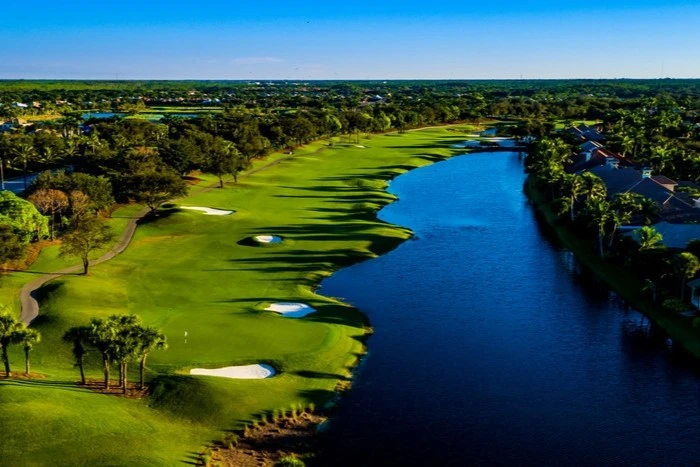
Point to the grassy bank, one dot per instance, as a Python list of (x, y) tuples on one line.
[(680, 329), (191, 272)]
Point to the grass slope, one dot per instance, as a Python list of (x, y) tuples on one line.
[(191, 272)]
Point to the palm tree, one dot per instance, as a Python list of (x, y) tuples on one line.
[(685, 265), (648, 238), (126, 343), (593, 186), (571, 187), (150, 339), (649, 209), (102, 336), (627, 143), (9, 327), (23, 152), (79, 336), (598, 211), (622, 208), (27, 338)]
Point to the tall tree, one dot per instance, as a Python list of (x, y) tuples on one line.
[(149, 339), (79, 336), (50, 202), (27, 338), (685, 265), (153, 188), (598, 211), (9, 328), (23, 153), (87, 235), (571, 188)]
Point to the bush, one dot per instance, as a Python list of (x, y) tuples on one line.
[(290, 461), (674, 305)]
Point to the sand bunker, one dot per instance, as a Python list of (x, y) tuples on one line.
[(267, 239), (208, 211), (360, 146), (237, 372), (291, 309)]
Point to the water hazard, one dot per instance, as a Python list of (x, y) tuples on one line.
[(493, 347)]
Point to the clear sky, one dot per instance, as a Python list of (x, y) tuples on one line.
[(297, 39)]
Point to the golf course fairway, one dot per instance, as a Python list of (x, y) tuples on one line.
[(191, 275)]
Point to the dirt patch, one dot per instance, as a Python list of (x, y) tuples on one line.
[(267, 443), (22, 375), (31, 255), (132, 390)]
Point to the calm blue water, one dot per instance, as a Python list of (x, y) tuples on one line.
[(493, 347)]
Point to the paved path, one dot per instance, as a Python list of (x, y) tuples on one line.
[(27, 296)]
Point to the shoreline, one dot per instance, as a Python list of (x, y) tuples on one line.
[(618, 279), (226, 450)]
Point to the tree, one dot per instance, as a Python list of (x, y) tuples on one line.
[(79, 336), (622, 207), (571, 187), (27, 338), (102, 337), (222, 159), (23, 154), (88, 234), (10, 246), (80, 204), (50, 202), (24, 218), (648, 238), (598, 211), (9, 327), (593, 186), (125, 344), (685, 265), (153, 188), (149, 339)]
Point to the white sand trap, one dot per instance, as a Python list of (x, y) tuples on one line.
[(208, 211), (267, 239), (360, 146), (291, 309), (237, 372)]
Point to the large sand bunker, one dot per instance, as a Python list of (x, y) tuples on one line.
[(258, 371), (291, 309), (208, 211)]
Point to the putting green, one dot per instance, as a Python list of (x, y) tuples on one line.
[(187, 274)]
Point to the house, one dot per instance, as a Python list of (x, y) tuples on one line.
[(587, 133), (7, 126), (675, 208), (592, 154)]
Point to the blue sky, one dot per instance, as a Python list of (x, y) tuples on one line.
[(350, 40)]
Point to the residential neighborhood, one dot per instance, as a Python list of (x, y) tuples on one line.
[(678, 219)]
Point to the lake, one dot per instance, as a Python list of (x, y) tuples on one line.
[(492, 346)]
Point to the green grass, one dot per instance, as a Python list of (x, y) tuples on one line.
[(187, 272), (621, 280)]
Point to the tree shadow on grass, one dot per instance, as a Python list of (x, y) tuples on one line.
[(161, 214), (319, 375)]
